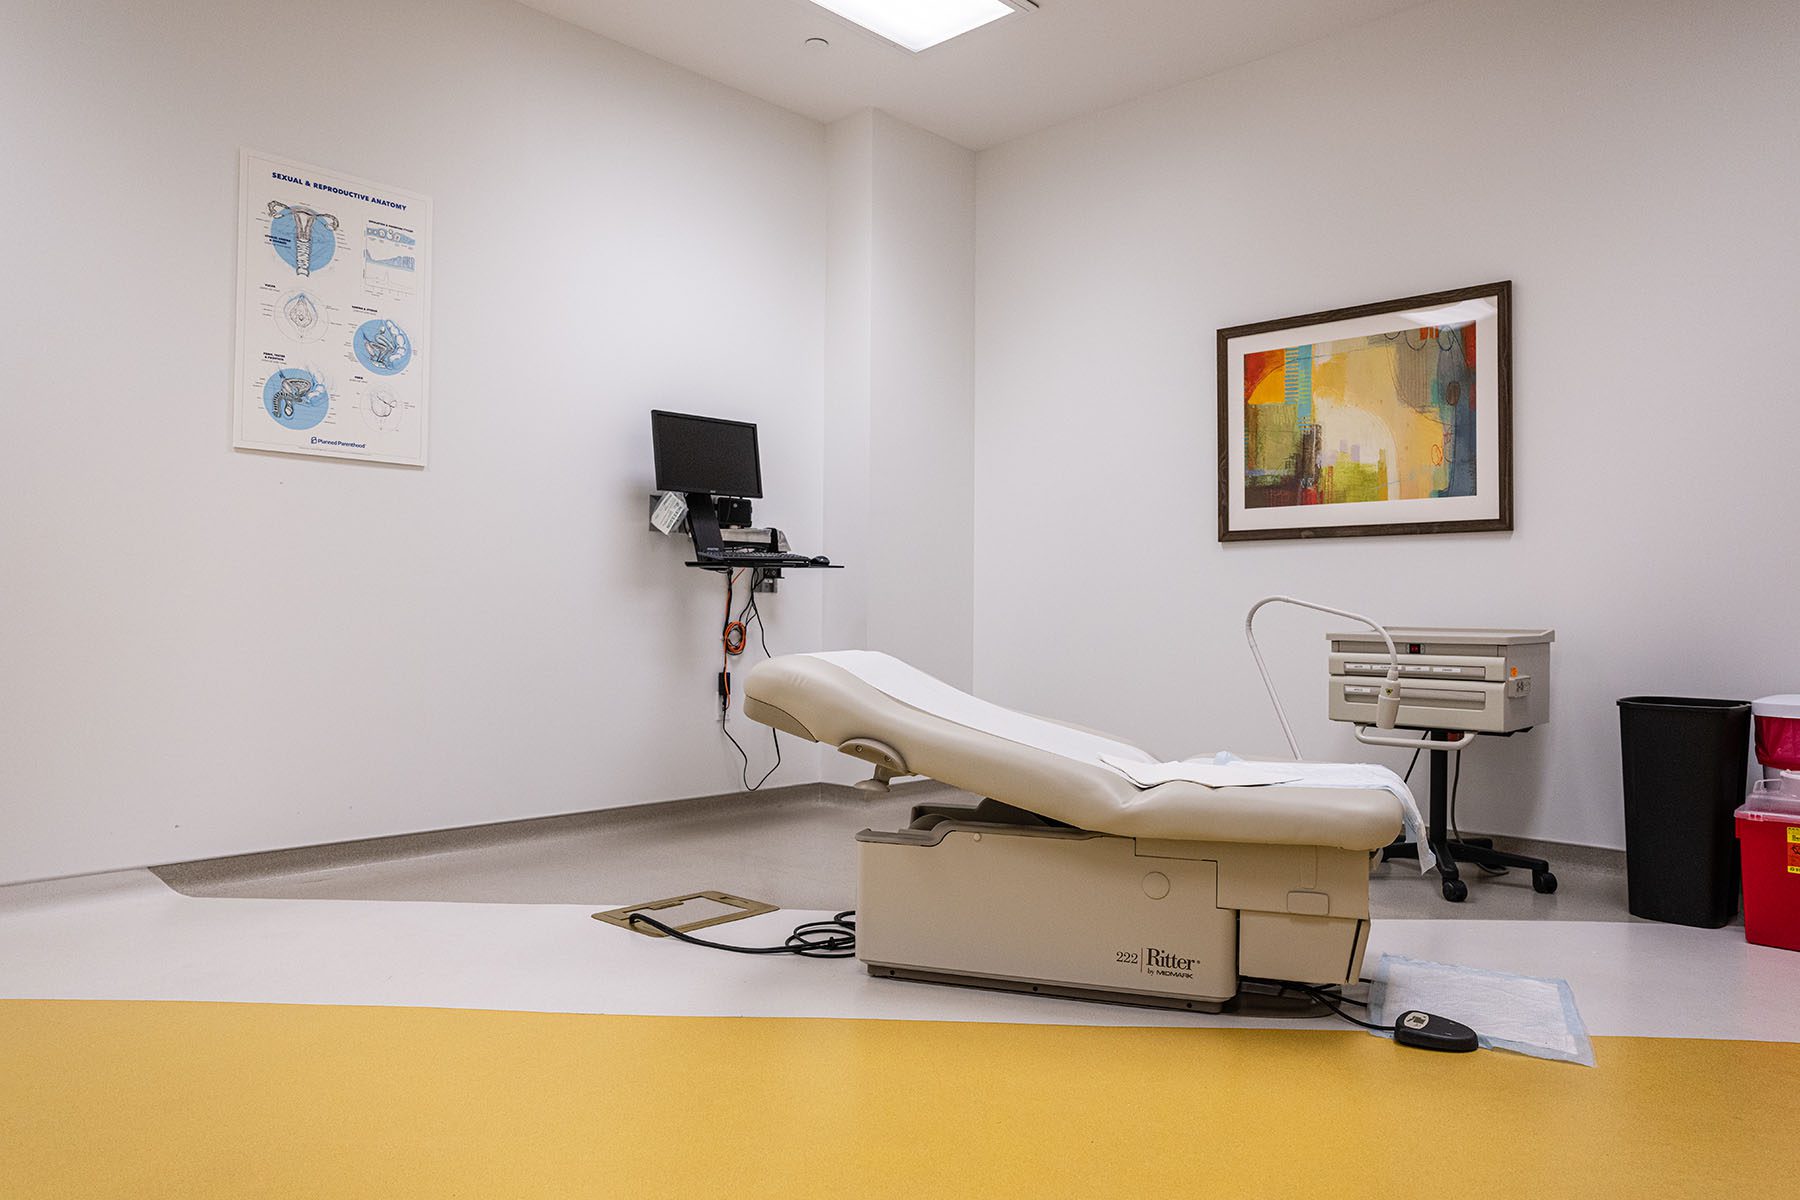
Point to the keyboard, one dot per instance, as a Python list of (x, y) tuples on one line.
[(756, 556)]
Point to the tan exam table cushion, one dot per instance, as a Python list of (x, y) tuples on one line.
[(822, 701)]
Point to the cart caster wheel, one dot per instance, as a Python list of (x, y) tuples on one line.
[(1455, 891), (1543, 882)]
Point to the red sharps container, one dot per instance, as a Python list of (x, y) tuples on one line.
[(1768, 830)]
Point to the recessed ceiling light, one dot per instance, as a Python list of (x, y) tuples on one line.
[(919, 24)]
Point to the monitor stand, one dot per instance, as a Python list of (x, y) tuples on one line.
[(703, 524)]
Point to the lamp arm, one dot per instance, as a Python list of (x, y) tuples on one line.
[(1389, 706)]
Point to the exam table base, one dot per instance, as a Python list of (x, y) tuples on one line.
[(1252, 1001), (1024, 906)]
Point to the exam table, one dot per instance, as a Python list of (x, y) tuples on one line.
[(1068, 878)]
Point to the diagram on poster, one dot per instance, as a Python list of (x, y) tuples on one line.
[(333, 336)]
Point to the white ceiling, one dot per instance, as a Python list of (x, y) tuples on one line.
[(1021, 73)]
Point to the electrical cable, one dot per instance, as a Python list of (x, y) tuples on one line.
[(755, 578), (1448, 1034), (744, 771), (749, 613), (1328, 996), (762, 631), (737, 635), (762, 636), (731, 578), (1326, 999), (1334, 994), (1329, 999), (1455, 783), (835, 938)]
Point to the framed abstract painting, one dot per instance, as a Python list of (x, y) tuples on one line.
[(1380, 419)]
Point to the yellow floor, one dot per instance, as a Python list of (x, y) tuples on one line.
[(147, 1099)]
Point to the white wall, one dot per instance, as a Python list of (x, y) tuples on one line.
[(849, 313), (1631, 166), (921, 431), (899, 399), (899, 394), (205, 651)]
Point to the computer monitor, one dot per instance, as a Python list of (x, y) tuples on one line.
[(706, 456)]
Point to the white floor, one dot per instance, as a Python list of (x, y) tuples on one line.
[(794, 847), (129, 936)]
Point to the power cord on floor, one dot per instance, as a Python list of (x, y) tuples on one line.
[(835, 938), (1414, 1027), (1329, 996), (1331, 991)]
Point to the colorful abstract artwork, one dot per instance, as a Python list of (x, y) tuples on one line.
[(1386, 416), (1383, 418)]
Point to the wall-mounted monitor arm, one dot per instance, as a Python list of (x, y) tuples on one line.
[(703, 522)]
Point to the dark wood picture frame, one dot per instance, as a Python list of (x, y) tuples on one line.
[(1501, 293)]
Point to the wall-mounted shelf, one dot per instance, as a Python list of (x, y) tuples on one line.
[(765, 566)]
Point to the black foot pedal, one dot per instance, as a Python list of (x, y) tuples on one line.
[(1430, 1032)]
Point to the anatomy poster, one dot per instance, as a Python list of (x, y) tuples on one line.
[(333, 288)]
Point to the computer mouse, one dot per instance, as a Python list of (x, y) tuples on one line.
[(819, 560)]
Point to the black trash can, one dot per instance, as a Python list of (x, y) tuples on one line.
[(1685, 765)]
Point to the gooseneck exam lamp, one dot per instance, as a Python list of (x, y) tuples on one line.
[(1387, 705)]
